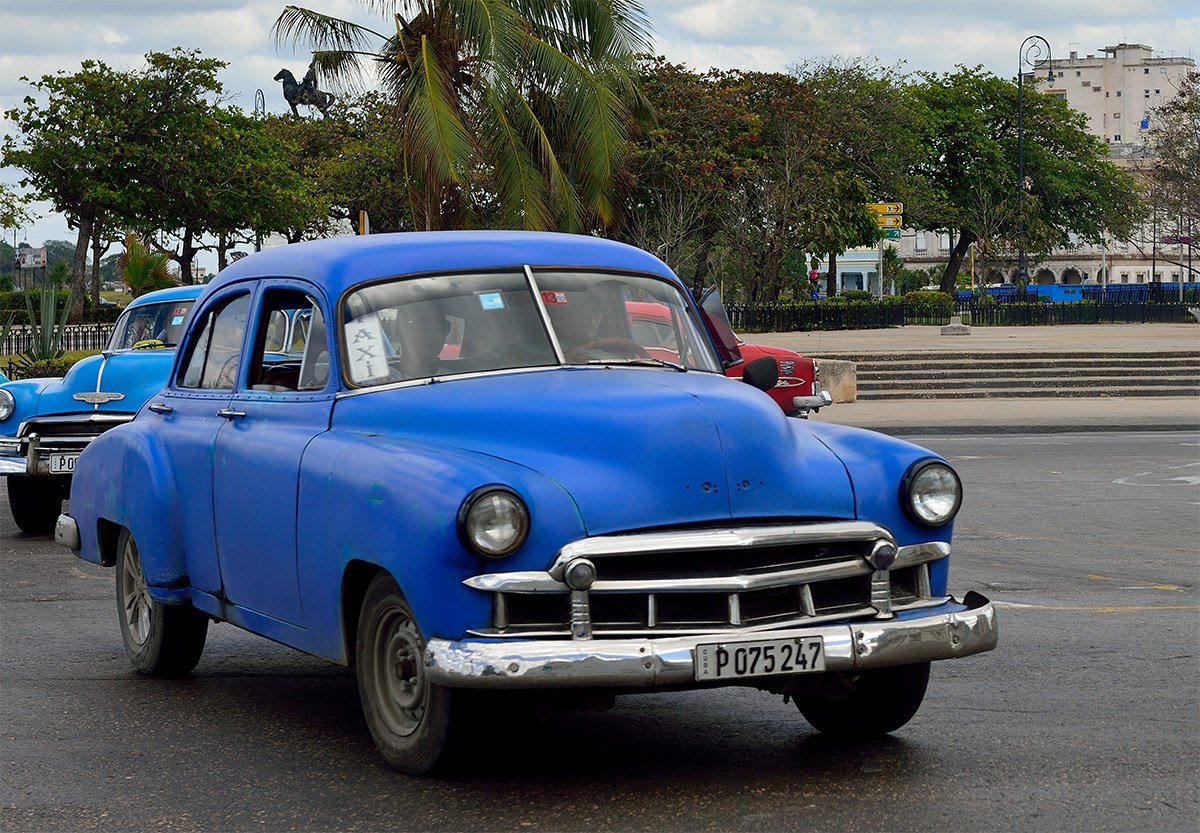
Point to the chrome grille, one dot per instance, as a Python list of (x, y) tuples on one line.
[(667, 583)]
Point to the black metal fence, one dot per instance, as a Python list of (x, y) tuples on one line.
[(862, 315), (815, 316), (74, 337)]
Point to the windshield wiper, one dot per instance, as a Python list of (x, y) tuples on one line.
[(641, 363)]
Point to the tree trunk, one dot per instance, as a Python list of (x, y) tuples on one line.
[(186, 253), (87, 220), (700, 275), (222, 251), (99, 247), (965, 239), (831, 277)]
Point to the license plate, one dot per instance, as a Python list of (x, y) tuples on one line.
[(62, 463), (731, 660)]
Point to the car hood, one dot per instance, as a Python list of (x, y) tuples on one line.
[(634, 448), (135, 375)]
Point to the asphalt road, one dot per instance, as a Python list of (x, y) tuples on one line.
[(1086, 718)]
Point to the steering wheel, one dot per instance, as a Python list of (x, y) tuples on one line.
[(615, 347)]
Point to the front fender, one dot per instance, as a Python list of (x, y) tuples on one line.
[(876, 464), (130, 454), (394, 504)]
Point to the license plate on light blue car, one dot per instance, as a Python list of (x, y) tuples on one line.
[(62, 463)]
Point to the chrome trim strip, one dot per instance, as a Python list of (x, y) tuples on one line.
[(913, 554), (546, 632), (12, 465), (722, 539), (66, 419), (533, 581), (545, 315), (649, 663)]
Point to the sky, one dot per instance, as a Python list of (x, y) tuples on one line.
[(40, 37)]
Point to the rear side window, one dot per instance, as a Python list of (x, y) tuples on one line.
[(215, 350)]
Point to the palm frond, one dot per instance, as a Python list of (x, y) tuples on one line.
[(520, 185), (321, 31), (432, 118), (561, 195)]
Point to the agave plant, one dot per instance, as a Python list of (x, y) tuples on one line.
[(530, 100)]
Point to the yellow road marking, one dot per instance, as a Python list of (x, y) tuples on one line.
[(1142, 585), (1129, 609)]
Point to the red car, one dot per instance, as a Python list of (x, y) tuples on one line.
[(799, 388)]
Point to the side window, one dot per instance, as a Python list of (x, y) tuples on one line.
[(215, 350), (289, 349)]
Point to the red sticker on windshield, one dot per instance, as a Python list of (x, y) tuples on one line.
[(553, 296)]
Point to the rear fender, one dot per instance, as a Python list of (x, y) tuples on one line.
[(100, 499)]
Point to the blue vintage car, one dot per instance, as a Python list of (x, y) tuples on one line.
[(462, 473), (46, 423)]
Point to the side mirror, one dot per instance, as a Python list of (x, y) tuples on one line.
[(761, 373)]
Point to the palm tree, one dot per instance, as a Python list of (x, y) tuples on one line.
[(526, 104), (141, 269)]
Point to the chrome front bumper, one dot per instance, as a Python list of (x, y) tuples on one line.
[(819, 399), (947, 632)]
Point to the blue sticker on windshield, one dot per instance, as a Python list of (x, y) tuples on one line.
[(176, 321), (491, 300)]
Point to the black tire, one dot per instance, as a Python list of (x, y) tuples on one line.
[(36, 502), (868, 703), (411, 719), (161, 640)]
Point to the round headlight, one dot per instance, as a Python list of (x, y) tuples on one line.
[(494, 522), (931, 493), (7, 405)]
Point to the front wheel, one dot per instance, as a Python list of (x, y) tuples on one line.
[(161, 640), (35, 502), (409, 717), (866, 703)]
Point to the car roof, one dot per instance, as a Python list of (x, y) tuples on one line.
[(340, 262), (174, 293)]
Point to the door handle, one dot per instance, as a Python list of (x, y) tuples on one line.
[(230, 413), (160, 408)]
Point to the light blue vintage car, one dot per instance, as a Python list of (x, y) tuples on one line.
[(458, 471), (46, 423)]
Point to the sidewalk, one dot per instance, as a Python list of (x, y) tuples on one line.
[(1030, 415), (1050, 415), (1146, 338)]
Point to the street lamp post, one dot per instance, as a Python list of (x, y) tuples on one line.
[(1030, 54)]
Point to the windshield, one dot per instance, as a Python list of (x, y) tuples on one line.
[(150, 325), (420, 328)]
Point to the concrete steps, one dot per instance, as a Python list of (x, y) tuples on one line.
[(974, 375)]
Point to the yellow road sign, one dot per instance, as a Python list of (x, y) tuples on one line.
[(889, 221), (886, 207)]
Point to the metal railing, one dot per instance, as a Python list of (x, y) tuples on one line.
[(74, 337)]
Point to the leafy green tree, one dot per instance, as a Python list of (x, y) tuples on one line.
[(863, 138), (1175, 176), (528, 100), (233, 178), (687, 166), (969, 167), (102, 139)]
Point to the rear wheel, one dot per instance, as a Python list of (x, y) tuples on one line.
[(35, 502), (161, 640), (410, 718), (867, 703)]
